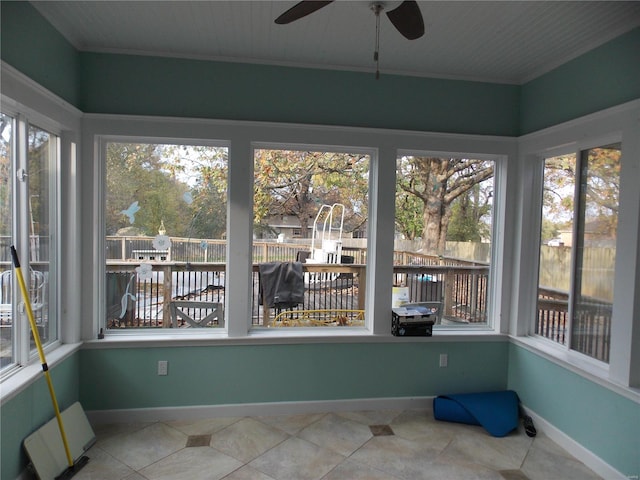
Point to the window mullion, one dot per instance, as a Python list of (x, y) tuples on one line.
[(55, 156), (21, 234), (578, 245)]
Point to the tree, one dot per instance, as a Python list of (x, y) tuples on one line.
[(550, 230), (208, 168), (39, 171), (298, 183), (602, 178), (138, 173), (436, 183), (5, 176), (559, 187), (468, 214), (409, 218)]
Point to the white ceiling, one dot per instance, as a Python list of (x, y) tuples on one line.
[(497, 41)]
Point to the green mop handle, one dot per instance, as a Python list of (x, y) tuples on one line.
[(43, 361)]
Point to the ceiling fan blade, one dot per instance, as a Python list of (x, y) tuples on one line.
[(407, 19), (301, 9)]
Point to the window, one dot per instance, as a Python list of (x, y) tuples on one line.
[(304, 182), (165, 225), (578, 249), (323, 195), (28, 166), (443, 220)]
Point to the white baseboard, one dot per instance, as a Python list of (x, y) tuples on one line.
[(578, 451), (97, 417)]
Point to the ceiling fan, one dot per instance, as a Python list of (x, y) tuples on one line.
[(406, 17)]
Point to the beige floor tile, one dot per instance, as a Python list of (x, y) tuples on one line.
[(135, 476), (478, 447), (197, 463), (439, 470), (297, 459), (291, 424), (356, 471), (203, 426), (513, 475), (371, 417), (106, 431), (418, 426), (396, 456), (247, 473), (247, 439), (146, 446), (337, 433), (546, 460), (102, 466)]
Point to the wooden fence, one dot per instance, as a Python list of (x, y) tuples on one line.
[(597, 270)]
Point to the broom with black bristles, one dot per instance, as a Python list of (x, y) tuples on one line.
[(72, 468)]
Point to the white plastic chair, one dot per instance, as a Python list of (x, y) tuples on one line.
[(5, 297), (37, 295)]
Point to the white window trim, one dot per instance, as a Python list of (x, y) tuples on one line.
[(26, 100), (242, 138), (99, 278), (612, 125), (495, 298)]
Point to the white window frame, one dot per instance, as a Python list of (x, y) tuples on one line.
[(494, 296), (333, 149), (100, 277), (242, 138), (24, 354), (618, 124), (31, 105)]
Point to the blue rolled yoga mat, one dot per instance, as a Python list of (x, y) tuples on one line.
[(497, 412)]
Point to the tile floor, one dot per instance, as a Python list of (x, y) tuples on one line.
[(376, 445)]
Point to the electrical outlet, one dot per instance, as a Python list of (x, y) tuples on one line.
[(444, 359), (163, 367)]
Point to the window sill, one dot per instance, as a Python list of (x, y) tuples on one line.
[(264, 336), (22, 377), (592, 370)]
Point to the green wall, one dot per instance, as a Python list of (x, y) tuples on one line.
[(604, 77), (32, 408), (30, 44), (189, 88), (601, 420), (218, 375)]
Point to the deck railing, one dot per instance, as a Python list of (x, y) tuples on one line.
[(134, 302), (591, 326), (463, 290), (461, 286)]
